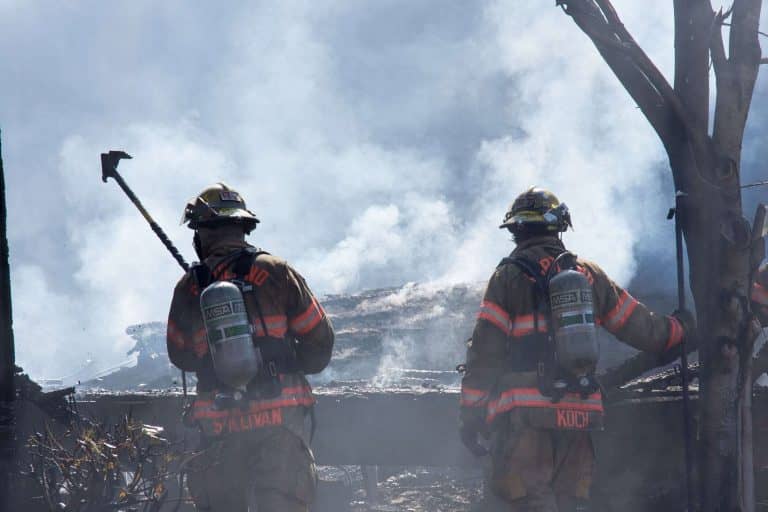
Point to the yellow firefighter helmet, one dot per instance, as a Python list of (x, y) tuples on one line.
[(216, 205), (538, 208)]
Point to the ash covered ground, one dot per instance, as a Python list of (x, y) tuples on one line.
[(414, 489)]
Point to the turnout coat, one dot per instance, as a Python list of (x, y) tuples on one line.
[(291, 314), (501, 374)]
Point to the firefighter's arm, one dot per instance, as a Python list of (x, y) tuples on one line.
[(629, 319), (759, 295), (185, 338), (309, 324), (486, 352)]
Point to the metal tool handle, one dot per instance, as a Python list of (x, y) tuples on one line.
[(684, 353), (109, 162)]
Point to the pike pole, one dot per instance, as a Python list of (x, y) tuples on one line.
[(109, 162), (676, 212)]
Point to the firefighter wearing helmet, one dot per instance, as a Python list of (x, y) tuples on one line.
[(248, 325), (529, 385)]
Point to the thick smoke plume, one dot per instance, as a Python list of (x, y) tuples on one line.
[(380, 143)]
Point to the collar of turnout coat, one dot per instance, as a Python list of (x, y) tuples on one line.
[(539, 241)]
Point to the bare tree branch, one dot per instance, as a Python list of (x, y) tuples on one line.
[(759, 32), (693, 34), (644, 82), (744, 44), (736, 81), (717, 46)]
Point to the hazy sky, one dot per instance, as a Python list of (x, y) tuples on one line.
[(379, 142)]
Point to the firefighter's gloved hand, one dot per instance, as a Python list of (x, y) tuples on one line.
[(687, 321), (470, 437)]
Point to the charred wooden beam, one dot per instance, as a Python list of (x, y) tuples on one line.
[(640, 453)]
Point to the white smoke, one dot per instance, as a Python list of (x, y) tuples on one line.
[(379, 144)]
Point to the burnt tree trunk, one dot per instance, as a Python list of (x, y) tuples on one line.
[(723, 252), (7, 364)]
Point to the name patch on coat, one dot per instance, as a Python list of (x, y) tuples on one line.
[(573, 419), (248, 422)]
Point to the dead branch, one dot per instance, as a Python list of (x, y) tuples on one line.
[(717, 46), (736, 82), (693, 34), (634, 69), (95, 467)]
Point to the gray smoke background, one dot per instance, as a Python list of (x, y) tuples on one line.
[(380, 143)]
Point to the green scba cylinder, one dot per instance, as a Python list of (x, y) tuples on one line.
[(570, 296), (235, 358)]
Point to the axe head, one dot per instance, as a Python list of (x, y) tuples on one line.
[(109, 163)]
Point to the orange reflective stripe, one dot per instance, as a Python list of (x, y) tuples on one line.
[(524, 324), (277, 326), (532, 397), (174, 335), (618, 316), (494, 314), (200, 342), (298, 396), (308, 320), (675, 333), (211, 413), (473, 397), (759, 294)]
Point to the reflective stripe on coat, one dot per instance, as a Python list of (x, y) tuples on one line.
[(251, 414)]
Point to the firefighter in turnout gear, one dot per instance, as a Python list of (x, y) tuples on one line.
[(247, 324), (529, 382)]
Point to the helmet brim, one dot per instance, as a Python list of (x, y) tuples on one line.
[(523, 218)]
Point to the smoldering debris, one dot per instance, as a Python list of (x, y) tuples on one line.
[(399, 489)]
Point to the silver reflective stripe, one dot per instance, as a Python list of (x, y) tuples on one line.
[(300, 326), (522, 327), (510, 401), (502, 321), (617, 319)]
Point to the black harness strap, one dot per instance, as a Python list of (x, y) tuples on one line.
[(241, 270)]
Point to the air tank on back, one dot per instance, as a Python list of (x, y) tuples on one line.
[(236, 360), (576, 347)]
